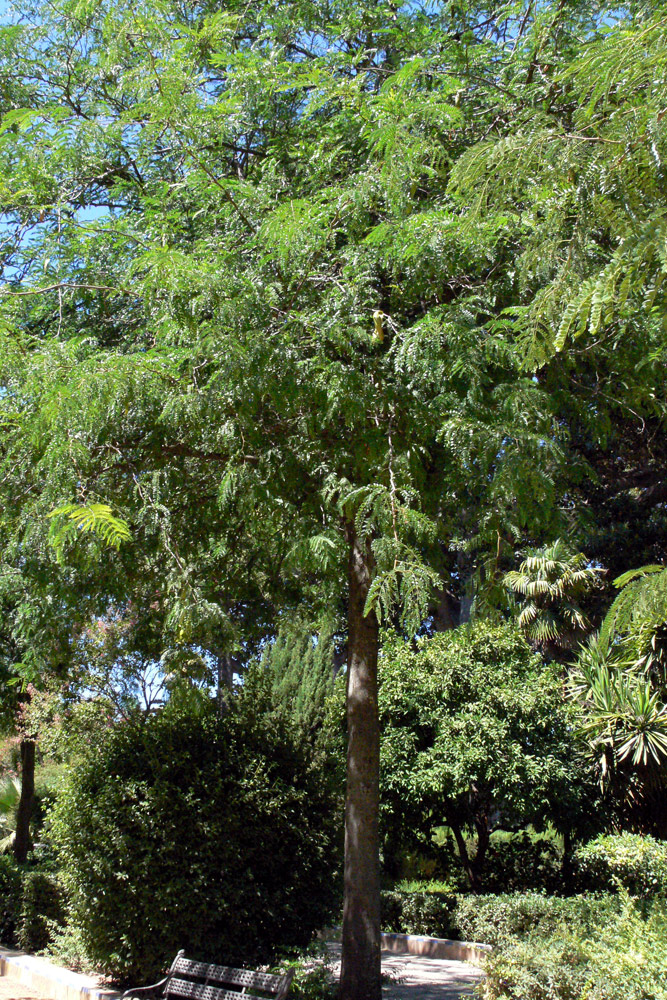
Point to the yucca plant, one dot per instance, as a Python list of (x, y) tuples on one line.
[(626, 715), (619, 678)]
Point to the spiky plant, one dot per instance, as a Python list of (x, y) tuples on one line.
[(620, 680), (626, 717)]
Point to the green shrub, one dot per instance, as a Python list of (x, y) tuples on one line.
[(67, 948), (617, 955), (10, 898), (422, 912), (41, 907), (216, 837), (500, 919), (551, 970), (639, 863), (313, 974), (427, 885), (491, 919)]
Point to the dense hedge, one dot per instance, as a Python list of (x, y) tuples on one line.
[(216, 837), (497, 920), (491, 919), (424, 912), (581, 948), (638, 863), (10, 898), (586, 947), (42, 907)]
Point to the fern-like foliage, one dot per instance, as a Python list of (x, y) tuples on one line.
[(390, 518), (638, 612), (588, 183), (406, 585), (93, 518)]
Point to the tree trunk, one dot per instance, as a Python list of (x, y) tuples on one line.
[(483, 841), (22, 840), (567, 866), (360, 977), (466, 608), (225, 681), (445, 613), (467, 864)]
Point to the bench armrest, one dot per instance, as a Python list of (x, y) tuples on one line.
[(141, 991)]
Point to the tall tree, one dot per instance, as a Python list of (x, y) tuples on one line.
[(242, 306)]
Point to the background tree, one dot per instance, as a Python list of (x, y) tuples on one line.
[(576, 160), (476, 736), (298, 672)]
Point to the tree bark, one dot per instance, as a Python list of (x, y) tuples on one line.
[(445, 613), (483, 841), (567, 866), (22, 839), (224, 681), (467, 864), (360, 977)]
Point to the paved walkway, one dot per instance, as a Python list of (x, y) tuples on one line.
[(404, 977), (414, 977), (10, 989)]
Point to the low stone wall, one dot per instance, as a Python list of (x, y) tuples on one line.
[(430, 947), (416, 944), (50, 979)]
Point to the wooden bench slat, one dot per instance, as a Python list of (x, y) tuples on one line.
[(269, 982)]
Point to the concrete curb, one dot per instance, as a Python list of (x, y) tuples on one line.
[(415, 944), (50, 979), (429, 947)]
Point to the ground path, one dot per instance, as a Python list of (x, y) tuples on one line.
[(405, 977), (415, 977), (11, 989)]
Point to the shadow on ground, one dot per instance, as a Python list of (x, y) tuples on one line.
[(414, 977)]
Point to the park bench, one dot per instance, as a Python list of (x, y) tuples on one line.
[(205, 981)]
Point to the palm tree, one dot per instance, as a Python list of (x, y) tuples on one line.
[(551, 580)]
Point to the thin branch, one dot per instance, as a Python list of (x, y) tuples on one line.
[(65, 284), (228, 195)]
